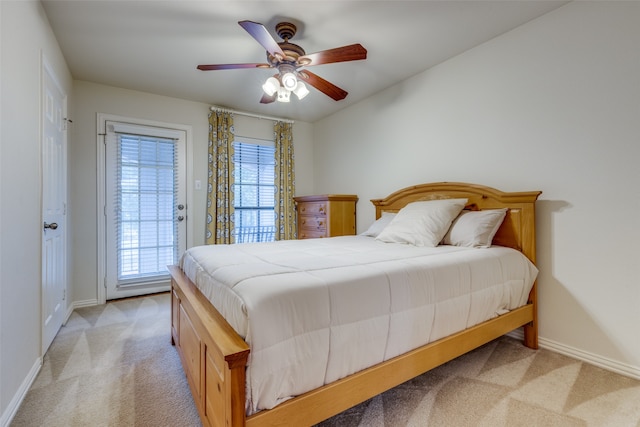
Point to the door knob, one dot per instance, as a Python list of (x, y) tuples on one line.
[(52, 226), (180, 207), (180, 218)]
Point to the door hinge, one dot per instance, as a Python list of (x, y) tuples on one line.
[(64, 295)]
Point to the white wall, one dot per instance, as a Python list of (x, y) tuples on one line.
[(554, 106), (25, 36), (91, 99)]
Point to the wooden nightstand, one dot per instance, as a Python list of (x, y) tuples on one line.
[(326, 215)]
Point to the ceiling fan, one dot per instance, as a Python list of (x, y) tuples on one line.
[(289, 59)]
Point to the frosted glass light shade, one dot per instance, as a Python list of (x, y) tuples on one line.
[(301, 90), (271, 86), (289, 81)]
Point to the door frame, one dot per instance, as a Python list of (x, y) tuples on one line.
[(101, 195)]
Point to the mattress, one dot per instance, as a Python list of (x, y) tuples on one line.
[(314, 311)]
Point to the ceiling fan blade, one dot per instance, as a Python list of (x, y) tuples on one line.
[(322, 85), (262, 36), (231, 66), (352, 52), (266, 99)]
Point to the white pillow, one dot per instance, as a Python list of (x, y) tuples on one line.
[(379, 224), (422, 223), (475, 228)]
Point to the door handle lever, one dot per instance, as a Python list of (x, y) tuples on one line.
[(52, 226)]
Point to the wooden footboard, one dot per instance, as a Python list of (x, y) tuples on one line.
[(213, 356)]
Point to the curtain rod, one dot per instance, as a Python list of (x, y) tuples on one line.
[(257, 116)]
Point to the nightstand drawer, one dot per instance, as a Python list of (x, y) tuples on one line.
[(313, 222), (313, 208), (312, 234)]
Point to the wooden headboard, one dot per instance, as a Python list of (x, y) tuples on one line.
[(518, 228)]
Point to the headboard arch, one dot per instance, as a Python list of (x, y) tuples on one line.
[(518, 228)]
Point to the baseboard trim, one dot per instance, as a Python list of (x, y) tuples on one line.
[(14, 405), (85, 303), (78, 304), (584, 356)]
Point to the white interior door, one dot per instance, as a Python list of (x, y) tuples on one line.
[(54, 199), (145, 209)]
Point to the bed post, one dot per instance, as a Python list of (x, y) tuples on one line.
[(531, 329), (528, 247)]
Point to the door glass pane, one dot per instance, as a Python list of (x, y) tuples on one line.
[(146, 227)]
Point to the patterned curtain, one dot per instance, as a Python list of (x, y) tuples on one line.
[(220, 226), (284, 183)]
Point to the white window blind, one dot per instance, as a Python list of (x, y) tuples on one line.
[(254, 191), (146, 225)]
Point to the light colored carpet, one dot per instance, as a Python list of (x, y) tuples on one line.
[(504, 384), (113, 365)]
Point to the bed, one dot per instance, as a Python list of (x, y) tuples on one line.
[(214, 350)]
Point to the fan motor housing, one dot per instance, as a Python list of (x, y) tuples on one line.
[(292, 53), (286, 30)]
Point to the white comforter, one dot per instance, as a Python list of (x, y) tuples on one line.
[(314, 311)]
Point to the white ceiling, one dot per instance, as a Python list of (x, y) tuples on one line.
[(155, 46)]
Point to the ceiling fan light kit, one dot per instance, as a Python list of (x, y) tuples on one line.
[(288, 58), (283, 93)]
